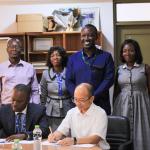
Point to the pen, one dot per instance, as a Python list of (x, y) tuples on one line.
[(51, 132), (50, 129)]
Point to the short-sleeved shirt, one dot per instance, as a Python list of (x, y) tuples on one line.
[(21, 73), (93, 122)]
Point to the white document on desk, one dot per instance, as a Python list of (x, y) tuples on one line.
[(48, 143), (3, 141), (26, 142), (83, 145), (77, 145)]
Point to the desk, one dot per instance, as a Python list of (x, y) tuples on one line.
[(48, 147)]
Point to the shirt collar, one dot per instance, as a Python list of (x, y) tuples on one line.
[(24, 111), (20, 63), (135, 65), (85, 55), (98, 51), (53, 74)]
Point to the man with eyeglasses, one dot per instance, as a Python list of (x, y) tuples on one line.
[(16, 71), (86, 122)]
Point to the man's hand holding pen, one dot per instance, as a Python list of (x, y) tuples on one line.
[(54, 137)]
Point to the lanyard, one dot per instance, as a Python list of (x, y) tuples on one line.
[(59, 81), (89, 63)]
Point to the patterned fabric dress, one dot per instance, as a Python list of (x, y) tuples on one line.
[(133, 102)]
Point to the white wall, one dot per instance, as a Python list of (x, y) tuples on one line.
[(8, 16), (133, 12)]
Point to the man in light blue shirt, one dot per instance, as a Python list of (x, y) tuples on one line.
[(16, 71)]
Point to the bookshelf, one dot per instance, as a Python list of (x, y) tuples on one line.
[(37, 44)]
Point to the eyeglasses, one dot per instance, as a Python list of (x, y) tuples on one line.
[(80, 100), (17, 48)]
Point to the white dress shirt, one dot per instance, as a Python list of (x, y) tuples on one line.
[(93, 122)]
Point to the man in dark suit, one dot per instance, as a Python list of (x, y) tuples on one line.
[(31, 114)]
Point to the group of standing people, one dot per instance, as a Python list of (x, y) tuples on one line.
[(89, 65)]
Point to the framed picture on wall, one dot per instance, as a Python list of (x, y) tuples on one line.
[(90, 16), (3, 49), (42, 44)]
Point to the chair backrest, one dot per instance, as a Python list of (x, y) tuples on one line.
[(118, 131)]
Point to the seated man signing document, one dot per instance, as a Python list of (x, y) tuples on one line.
[(86, 122), (17, 120)]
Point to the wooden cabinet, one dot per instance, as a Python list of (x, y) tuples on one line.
[(21, 37), (37, 44)]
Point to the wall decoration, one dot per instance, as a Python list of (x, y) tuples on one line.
[(90, 16), (42, 44)]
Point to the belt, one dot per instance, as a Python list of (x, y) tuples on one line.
[(57, 99)]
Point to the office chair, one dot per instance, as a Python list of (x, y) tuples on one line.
[(118, 133)]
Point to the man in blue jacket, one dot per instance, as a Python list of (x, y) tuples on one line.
[(93, 66)]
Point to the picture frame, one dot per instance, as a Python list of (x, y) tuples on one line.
[(3, 49), (42, 44), (90, 16)]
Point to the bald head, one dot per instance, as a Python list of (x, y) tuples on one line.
[(83, 97), (85, 89)]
